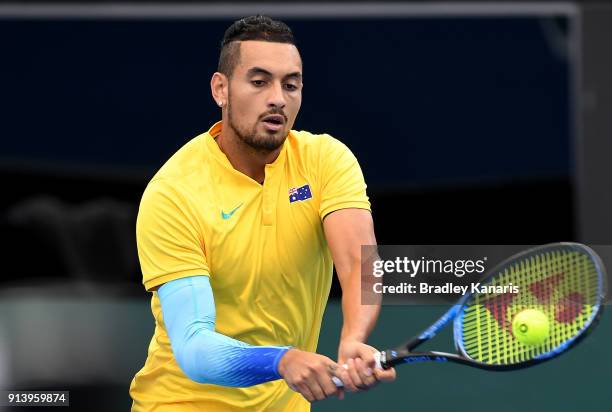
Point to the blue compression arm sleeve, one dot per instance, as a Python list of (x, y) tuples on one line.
[(204, 355)]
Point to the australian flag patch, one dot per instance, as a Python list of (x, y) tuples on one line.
[(297, 194)]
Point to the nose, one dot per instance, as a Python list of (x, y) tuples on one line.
[(276, 97)]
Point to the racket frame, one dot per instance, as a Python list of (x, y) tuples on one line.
[(404, 353)]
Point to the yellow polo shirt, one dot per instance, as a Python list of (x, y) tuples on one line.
[(262, 246)]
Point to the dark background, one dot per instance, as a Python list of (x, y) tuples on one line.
[(469, 129)]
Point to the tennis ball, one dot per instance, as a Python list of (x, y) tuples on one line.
[(531, 327)]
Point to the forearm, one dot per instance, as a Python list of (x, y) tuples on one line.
[(358, 319), (204, 355), (209, 357), (347, 231)]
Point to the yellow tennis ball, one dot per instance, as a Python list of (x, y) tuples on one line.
[(531, 327)]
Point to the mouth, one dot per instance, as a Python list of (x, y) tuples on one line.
[(274, 121)]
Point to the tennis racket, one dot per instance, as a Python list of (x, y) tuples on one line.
[(564, 281)]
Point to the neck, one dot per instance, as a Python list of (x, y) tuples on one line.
[(243, 157)]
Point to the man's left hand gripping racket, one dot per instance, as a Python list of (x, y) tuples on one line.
[(561, 289)]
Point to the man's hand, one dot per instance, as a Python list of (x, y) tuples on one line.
[(309, 374), (361, 372)]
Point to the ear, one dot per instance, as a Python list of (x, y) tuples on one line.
[(218, 87)]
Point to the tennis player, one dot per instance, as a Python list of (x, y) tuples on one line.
[(237, 236)]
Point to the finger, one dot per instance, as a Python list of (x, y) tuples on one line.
[(345, 377), (340, 393), (366, 353), (333, 369), (304, 389), (385, 375), (316, 389), (328, 386), (341, 373), (354, 375), (366, 373)]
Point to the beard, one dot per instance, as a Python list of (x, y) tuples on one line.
[(264, 143)]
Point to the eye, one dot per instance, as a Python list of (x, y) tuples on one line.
[(290, 87), (258, 83)]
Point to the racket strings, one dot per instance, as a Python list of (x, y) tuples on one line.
[(563, 284)]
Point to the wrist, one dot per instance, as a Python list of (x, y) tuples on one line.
[(281, 367), (347, 336)]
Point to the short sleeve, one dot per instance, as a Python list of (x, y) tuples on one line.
[(342, 182), (170, 241)]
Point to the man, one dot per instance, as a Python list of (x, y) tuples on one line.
[(237, 234)]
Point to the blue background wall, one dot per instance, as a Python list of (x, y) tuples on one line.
[(420, 101)]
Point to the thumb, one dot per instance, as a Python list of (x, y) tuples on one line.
[(366, 353), (385, 375)]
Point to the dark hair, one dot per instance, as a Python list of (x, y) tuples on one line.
[(250, 28)]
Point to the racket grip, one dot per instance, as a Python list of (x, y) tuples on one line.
[(378, 365)]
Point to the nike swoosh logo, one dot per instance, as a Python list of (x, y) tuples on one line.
[(226, 216)]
